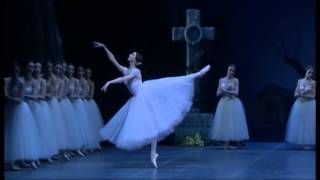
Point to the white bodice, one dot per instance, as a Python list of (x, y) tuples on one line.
[(305, 85), (28, 88), (227, 84), (134, 84), (13, 91)]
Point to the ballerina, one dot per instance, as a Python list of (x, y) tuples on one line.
[(21, 134), (62, 121), (93, 108), (229, 122), (302, 119), (157, 106), (53, 86)]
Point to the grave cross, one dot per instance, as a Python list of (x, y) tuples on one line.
[(193, 34)]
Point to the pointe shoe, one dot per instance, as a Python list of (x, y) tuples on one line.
[(34, 165), (56, 157), (80, 153), (66, 157), (204, 70), (24, 164), (38, 162), (15, 168), (50, 160), (154, 160)]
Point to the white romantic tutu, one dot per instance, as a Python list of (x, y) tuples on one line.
[(52, 128), (41, 113), (95, 118), (152, 113), (229, 122), (301, 128), (59, 123), (69, 115), (86, 129), (22, 141)]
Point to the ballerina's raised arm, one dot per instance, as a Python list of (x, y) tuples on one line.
[(117, 80), (111, 57)]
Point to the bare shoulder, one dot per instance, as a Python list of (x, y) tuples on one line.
[(138, 70), (299, 81), (124, 70)]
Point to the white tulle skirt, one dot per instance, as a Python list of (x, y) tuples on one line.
[(95, 118), (301, 128), (59, 123), (86, 128), (22, 141), (41, 113), (152, 114), (229, 122), (69, 115)]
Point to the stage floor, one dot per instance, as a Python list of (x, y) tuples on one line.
[(256, 161)]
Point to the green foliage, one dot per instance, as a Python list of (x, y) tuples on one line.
[(193, 140)]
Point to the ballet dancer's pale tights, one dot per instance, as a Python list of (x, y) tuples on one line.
[(153, 148)]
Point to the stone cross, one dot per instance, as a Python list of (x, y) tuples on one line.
[(193, 34)]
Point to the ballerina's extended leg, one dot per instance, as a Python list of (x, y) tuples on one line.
[(201, 73), (153, 154)]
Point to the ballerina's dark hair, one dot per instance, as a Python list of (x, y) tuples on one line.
[(233, 66), (139, 58), (309, 67)]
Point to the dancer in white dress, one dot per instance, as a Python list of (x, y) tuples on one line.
[(301, 128), (31, 97), (81, 116), (96, 118), (21, 133), (51, 93), (63, 137), (157, 106), (75, 142), (229, 122), (82, 91), (43, 117), (71, 94)]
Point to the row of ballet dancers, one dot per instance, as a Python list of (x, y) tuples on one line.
[(49, 116)]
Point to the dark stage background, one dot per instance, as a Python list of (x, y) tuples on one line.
[(269, 41)]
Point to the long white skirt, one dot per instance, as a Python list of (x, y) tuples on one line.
[(22, 141), (159, 106), (59, 123), (41, 113), (229, 122), (301, 127), (75, 141), (86, 128), (95, 118)]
